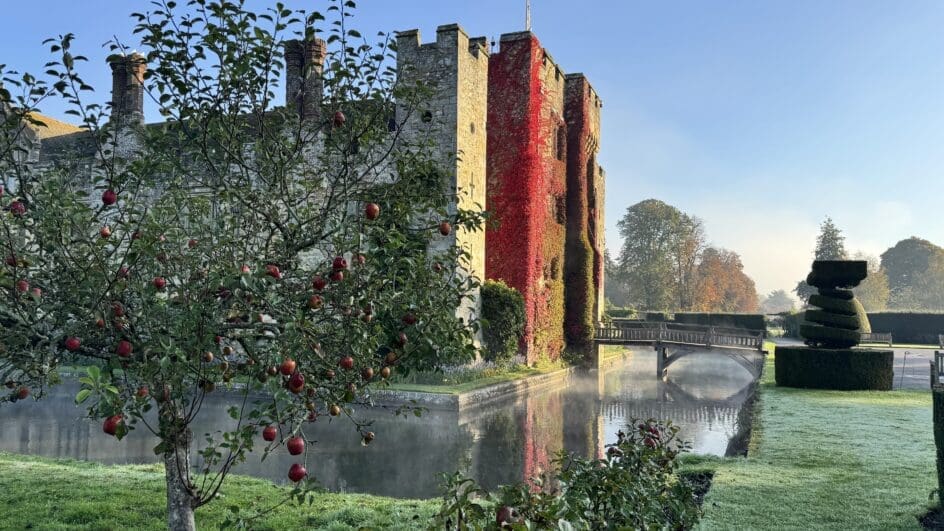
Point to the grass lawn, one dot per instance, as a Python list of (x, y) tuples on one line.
[(42, 493), (462, 382), (828, 460)]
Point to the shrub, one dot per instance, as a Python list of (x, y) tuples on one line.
[(635, 486), (938, 417), (842, 369), (791, 323), (502, 321), (622, 313), (749, 321), (657, 317), (909, 327)]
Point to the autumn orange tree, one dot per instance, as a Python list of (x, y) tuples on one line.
[(233, 248)]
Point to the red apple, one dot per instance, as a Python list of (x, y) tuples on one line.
[(372, 211), (337, 276), (334, 410), (504, 515), (109, 197), (339, 263), (22, 286), (124, 349), (123, 272), (73, 344), (295, 445), (361, 259), (409, 319), (110, 426), (339, 119), (402, 339), (438, 267), (17, 208), (159, 282), (314, 301), (11, 261), (346, 363), (329, 374), (269, 433), (208, 357), (105, 232), (136, 235), (117, 309), (142, 391), (288, 366), (367, 374), (385, 373), (319, 283), (296, 383), (273, 271), (445, 228), (36, 292), (191, 243), (100, 322), (650, 442), (245, 269), (297, 472), (22, 393), (368, 438)]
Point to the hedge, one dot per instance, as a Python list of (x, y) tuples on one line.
[(621, 313), (750, 321), (658, 317), (841, 369), (938, 417), (502, 321), (909, 327)]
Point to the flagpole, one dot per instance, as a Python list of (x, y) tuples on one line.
[(527, 15)]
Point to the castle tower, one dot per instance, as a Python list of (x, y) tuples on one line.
[(527, 186), (584, 265), (452, 119)]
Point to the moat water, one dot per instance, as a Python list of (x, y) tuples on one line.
[(497, 444)]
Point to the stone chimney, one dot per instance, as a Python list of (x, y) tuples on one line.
[(127, 88), (304, 86)]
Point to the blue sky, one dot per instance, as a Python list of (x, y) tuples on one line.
[(760, 117)]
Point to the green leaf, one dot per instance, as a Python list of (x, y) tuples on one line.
[(82, 395)]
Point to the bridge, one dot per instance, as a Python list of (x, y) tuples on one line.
[(685, 340)]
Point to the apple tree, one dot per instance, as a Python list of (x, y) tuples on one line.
[(283, 261)]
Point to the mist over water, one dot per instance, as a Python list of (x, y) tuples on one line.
[(498, 443)]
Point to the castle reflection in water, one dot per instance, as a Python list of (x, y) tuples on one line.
[(497, 444)]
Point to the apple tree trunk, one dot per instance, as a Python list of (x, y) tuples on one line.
[(181, 497)]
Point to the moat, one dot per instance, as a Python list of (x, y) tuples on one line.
[(499, 443)]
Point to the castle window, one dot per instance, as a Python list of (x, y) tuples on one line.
[(561, 142), (472, 127)]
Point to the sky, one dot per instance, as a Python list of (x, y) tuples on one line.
[(761, 118)]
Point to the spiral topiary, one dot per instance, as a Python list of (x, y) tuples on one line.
[(837, 323)]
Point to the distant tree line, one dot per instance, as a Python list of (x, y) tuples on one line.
[(666, 264), (907, 276)]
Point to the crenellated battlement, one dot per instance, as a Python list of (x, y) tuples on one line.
[(450, 38)]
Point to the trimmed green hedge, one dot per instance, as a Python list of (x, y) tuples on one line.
[(621, 313), (909, 327), (750, 321), (938, 418), (502, 321), (841, 369), (658, 317)]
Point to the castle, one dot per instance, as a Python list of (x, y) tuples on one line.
[(514, 133)]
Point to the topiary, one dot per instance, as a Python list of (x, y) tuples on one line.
[(503, 321), (838, 324)]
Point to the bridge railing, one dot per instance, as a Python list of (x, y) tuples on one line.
[(649, 332)]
